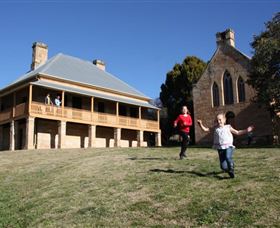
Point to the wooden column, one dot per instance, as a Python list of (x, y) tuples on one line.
[(139, 114), (158, 118), (117, 109), (30, 99), (62, 103), (117, 112), (29, 135), (92, 108), (14, 104), (117, 137), (92, 104), (61, 134), (91, 135)]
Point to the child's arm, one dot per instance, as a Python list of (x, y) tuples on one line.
[(176, 121), (241, 132), (206, 129)]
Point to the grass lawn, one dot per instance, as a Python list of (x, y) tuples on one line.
[(138, 187)]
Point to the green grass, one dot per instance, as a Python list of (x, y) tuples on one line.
[(138, 187)]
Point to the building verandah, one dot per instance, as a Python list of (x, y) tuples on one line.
[(26, 122)]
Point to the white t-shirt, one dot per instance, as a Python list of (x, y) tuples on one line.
[(57, 102), (223, 138)]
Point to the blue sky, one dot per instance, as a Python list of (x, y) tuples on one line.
[(140, 41)]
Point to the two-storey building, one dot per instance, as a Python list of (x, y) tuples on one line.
[(97, 109)]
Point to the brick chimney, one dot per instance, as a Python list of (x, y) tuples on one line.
[(226, 37), (100, 64), (39, 54)]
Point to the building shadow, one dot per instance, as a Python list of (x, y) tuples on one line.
[(199, 174)]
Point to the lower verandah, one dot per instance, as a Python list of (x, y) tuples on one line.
[(46, 134)]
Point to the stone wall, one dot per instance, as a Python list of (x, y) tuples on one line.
[(46, 134), (128, 138), (76, 135)]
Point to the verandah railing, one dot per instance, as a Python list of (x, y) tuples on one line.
[(103, 119)]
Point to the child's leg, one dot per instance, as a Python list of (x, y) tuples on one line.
[(222, 158), (229, 152), (184, 145), (229, 160)]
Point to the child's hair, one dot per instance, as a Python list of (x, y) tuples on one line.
[(221, 114), (187, 109)]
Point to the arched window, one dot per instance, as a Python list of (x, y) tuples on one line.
[(241, 89), (228, 92), (215, 95)]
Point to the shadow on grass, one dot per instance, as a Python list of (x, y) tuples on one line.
[(210, 174), (148, 159)]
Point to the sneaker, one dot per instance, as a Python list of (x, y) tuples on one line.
[(231, 173), (181, 157)]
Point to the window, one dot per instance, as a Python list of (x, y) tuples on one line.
[(228, 92), (241, 89), (215, 95)]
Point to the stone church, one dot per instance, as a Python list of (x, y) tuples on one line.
[(222, 88)]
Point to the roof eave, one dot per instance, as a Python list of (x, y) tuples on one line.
[(24, 81)]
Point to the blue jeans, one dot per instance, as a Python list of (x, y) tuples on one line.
[(226, 161)]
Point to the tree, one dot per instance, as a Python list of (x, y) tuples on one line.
[(177, 89), (265, 66)]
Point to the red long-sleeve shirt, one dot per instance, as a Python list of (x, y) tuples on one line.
[(184, 123)]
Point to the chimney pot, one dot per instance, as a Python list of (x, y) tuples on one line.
[(226, 37), (39, 54), (100, 64)]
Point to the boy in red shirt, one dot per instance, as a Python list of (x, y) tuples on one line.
[(184, 122)]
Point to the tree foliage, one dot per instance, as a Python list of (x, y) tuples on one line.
[(177, 89), (265, 68)]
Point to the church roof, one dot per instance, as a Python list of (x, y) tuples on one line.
[(77, 70)]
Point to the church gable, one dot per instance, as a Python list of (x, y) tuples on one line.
[(223, 88), (225, 70)]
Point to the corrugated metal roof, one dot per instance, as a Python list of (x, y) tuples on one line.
[(92, 93), (77, 70)]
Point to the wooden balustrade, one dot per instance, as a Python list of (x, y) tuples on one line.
[(6, 115), (78, 115), (20, 109), (103, 119)]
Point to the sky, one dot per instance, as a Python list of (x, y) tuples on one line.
[(139, 40)]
